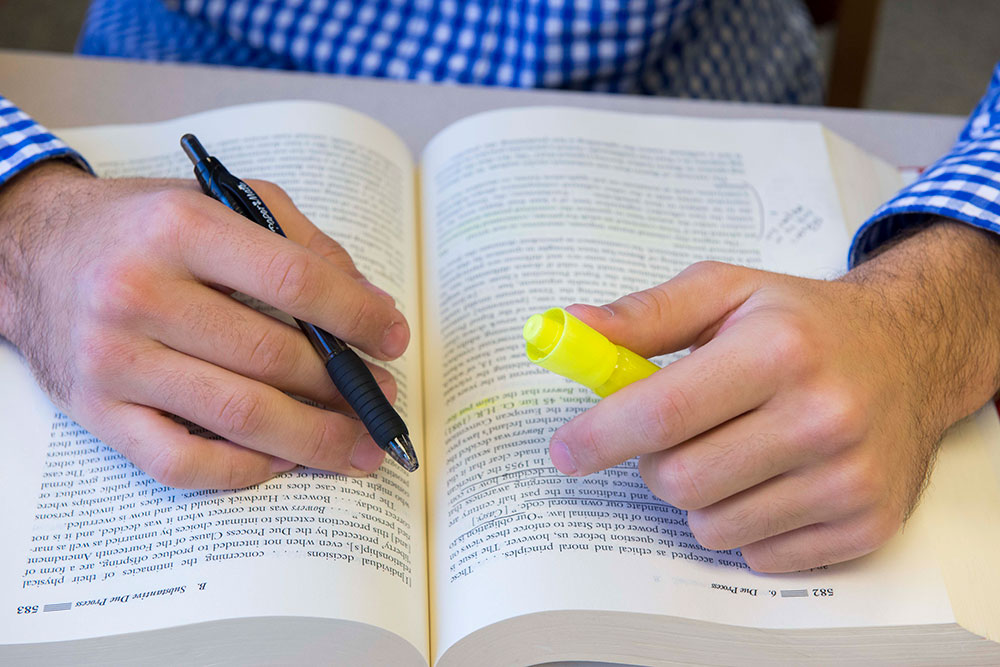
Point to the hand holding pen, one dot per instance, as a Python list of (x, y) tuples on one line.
[(346, 369), (130, 323)]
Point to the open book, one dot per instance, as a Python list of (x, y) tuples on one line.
[(487, 556)]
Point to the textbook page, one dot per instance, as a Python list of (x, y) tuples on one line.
[(523, 210), (93, 546), (864, 182)]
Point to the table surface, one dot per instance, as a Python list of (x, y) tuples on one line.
[(64, 91)]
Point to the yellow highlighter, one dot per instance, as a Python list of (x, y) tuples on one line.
[(559, 342)]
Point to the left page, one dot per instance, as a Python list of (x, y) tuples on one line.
[(93, 546)]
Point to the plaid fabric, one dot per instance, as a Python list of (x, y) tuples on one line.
[(963, 185), (756, 50), (23, 142)]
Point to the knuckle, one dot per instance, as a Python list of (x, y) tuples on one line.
[(859, 484), (776, 554), (764, 557), (365, 316), (707, 268), (239, 475), (292, 287), (652, 304), (119, 290), (706, 528), (587, 439), (790, 344), (171, 467), (679, 484), (331, 250), (315, 450), (171, 201), (839, 420), (269, 355), (129, 445), (667, 418), (169, 214), (241, 414)]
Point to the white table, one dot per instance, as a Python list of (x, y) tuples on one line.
[(63, 91)]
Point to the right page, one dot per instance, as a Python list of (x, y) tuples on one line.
[(528, 209)]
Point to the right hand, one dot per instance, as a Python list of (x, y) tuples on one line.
[(802, 426), (117, 292)]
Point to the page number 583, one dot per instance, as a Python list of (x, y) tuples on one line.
[(31, 609)]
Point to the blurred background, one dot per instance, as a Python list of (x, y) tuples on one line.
[(931, 56)]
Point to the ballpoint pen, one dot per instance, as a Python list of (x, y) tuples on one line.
[(347, 370)]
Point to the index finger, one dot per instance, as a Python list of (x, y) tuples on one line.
[(674, 314), (720, 381), (301, 229), (222, 248)]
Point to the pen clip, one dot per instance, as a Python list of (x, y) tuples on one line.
[(218, 183), (214, 179), (249, 203)]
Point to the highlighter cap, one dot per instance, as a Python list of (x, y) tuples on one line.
[(557, 341)]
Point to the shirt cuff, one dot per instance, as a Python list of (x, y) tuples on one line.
[(23, 143), (964, 186)]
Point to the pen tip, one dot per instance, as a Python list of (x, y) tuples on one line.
[(401, 450)]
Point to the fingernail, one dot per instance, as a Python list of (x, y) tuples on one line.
[(281, 465), (561, 457), (604, 312), (595, 312), (381, 292), (367, 456), (394, 342)]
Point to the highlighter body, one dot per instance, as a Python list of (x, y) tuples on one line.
[(559, 342)]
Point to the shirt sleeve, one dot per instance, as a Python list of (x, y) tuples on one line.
[(23, 142), (963, 185)]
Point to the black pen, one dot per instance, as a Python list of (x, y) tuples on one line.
[(348, 372)]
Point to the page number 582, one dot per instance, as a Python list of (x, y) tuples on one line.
[(822, 592)]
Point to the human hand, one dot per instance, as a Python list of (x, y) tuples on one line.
[(117, 292), (801, 427)]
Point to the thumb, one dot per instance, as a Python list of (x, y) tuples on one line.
[(675, 314)]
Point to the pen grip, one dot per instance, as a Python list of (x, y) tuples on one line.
[(361, 391)]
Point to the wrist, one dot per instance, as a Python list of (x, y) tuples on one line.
[(937, 295), (29, 205)]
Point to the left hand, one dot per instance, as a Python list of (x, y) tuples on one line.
[(801, 427)]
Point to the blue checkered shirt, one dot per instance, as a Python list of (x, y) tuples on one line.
[(758, 50), (753, 50), (963, 185)]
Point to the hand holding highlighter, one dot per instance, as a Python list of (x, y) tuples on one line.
[(559, 342)]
